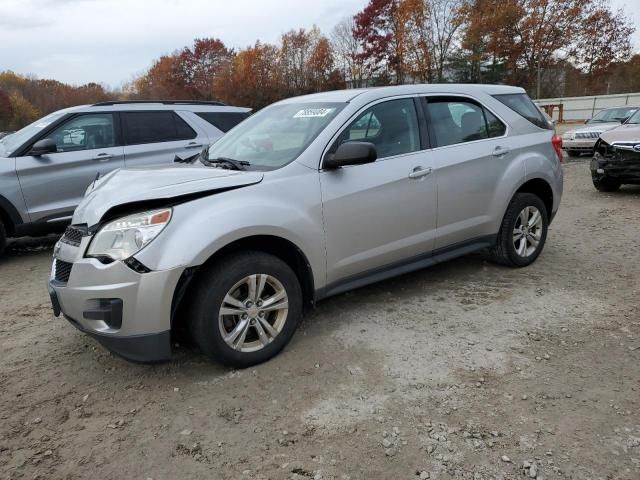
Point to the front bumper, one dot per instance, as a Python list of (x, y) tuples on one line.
[(621, 165), (579, 145), (126, 311)]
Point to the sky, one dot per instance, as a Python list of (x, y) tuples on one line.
[(111, 41)]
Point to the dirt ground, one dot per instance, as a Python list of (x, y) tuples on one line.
[(464, 371)]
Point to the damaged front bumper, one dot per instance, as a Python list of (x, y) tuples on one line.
[(126, 311), (617, 161)]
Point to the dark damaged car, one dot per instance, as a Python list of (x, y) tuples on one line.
[(617, 157)]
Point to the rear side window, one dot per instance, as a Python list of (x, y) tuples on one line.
[(455, 121), (223, 121), (496, 127), (523, 106), (155, 127)]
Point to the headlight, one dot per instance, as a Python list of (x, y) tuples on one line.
[(124, 237), (566, 136)]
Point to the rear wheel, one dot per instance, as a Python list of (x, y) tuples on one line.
[(573, 153), (605, 184), (523, 232), (246, 308)]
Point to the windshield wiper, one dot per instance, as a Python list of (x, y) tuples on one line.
[(225, 162)]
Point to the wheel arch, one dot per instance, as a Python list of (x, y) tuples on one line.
[(274, 245), (9, 216), (542, 189)]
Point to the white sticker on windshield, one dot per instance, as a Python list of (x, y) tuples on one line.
[(313, 112), (42, 124)]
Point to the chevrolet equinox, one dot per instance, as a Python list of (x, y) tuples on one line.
[(308, 198)]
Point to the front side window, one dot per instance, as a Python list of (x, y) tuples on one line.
[(391, 126), (155, 127), (458, 121), (86, 132), (277, 135), (635, 118)]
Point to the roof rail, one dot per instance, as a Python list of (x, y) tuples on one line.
[(162, 102)]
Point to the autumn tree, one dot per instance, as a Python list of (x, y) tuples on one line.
[(200, 66), (23, 112), (348, 53), (603, 39), (375, 29), (255, 79), (6, 111)]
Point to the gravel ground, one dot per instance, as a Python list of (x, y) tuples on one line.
[(464, 371)]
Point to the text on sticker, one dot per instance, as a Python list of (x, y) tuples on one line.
[(313, 112)]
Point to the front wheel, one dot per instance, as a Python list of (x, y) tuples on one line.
[(246, 308), (523, 232), (605, 184), (574, 153), (3, 238)]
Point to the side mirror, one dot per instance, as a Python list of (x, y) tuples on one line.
[(42, 147), (352, 153)]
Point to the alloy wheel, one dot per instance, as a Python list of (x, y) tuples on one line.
[(527, 231), (253, 312)]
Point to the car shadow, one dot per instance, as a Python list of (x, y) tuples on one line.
[(628, 190), (20, 247)]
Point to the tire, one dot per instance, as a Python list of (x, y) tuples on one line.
[(573, 153), (224, 284), (3, 238), (505, 251), (605, 184)]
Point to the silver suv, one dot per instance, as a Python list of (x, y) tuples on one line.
[(308, 198), (46, 167)]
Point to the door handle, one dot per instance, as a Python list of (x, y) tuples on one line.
[(420, 172), (500, 152), (193, 145), (103, 157)]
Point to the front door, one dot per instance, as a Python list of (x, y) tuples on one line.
[(53, 184), (380, 214)]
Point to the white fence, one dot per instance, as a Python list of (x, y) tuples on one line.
[(583, 108)]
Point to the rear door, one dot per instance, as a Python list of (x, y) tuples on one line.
[(88, 144), (157, 137), (471, 153)]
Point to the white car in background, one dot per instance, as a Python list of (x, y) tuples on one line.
[(583, 140)]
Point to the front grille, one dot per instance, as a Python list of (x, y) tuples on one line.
[(588, 134), (63, 271), (73, 235)]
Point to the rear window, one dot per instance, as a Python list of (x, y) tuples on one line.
[(155, 127), (223, 121), (523, 106)]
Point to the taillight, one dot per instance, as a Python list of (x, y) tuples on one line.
[(556, 141)]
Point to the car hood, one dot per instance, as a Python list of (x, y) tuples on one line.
[(629, 133), (596, 127), (155, 185)]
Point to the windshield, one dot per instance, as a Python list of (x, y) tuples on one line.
[(276, 135), (612, 115), (11, 142), (635, 118)]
